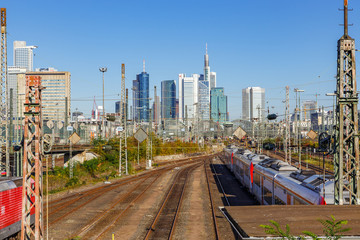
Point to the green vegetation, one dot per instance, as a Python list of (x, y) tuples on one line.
[(332, 230), (107, 164)]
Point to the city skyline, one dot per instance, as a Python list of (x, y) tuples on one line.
[(232, 55)]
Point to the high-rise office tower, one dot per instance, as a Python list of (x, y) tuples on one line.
[(309, 108), (23, 55), (253, 100), (218, 105), (204, 90), (168, 100), (204, 98), (188, 96), (141, 96), (57, 88), (13, 73), (212, 80), (157, 110)]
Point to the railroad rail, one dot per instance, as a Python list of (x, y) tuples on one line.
[(100, 225), (212, 206), (164, 222), (303, 164)]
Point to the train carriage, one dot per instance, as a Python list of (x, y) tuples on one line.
[(273, 181)]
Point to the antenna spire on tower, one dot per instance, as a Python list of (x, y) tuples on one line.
[(206, 48), (143, 65), (345, 18)]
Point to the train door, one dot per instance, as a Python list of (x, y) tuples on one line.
[(261, 189)]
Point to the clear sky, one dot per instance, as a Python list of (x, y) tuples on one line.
[(263, 43)]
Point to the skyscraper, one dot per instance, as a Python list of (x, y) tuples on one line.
[(188, 95), (168, 99), (141, 96), (212, 80), (23, 55), (218, 105), (309, 108), (13, 73), (204, 98), (253, 99), (57, 88)]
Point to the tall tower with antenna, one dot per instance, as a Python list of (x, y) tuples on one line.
[(346, 165)]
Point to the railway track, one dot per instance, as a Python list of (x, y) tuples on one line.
[(163, 224), (303, 164), (97, 226)]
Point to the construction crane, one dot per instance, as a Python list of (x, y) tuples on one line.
[(3, 97)]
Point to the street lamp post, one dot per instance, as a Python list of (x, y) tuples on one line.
[(333, 119), (296, 90), (103, 70)]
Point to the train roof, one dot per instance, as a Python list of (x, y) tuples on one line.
[(7, 183)]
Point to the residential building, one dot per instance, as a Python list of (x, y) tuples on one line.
[(218, 105), (56, 95), (188, 96), (168, 100), (23, 55), (253, 102)]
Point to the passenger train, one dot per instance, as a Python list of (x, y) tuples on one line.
[(273, 181)]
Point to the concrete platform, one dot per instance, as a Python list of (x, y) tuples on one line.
[(300, 218)]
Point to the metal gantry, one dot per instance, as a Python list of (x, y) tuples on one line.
[(32, 166), (4, 92), (123, 118), (346, 166)]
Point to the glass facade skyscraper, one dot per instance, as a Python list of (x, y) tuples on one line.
[(253, 99), (204, 98), (141, 97), (218, 105), (188, 96), (23, 55), (168, 99)]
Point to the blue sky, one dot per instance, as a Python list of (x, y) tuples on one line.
[(263, 43)]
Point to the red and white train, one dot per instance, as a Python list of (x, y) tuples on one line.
[(10, 206), (273, 181)]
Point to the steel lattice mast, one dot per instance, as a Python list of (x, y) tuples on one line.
[(4, 92), (123, 117), (346, 164), (32, 166)]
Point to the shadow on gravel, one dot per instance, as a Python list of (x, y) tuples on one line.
[(237, 195)]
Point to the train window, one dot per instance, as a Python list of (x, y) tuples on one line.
[(257, 179), (278, 201), (267, 196), (297, 201)]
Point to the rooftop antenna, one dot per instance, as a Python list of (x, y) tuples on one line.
[(206, 49), (143, 65)]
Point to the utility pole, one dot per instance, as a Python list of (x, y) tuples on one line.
[(32, 166), (346, 168), (4, 92), (287, 128), (148, 142)]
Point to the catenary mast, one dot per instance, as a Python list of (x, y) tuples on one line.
[(346, 157)]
